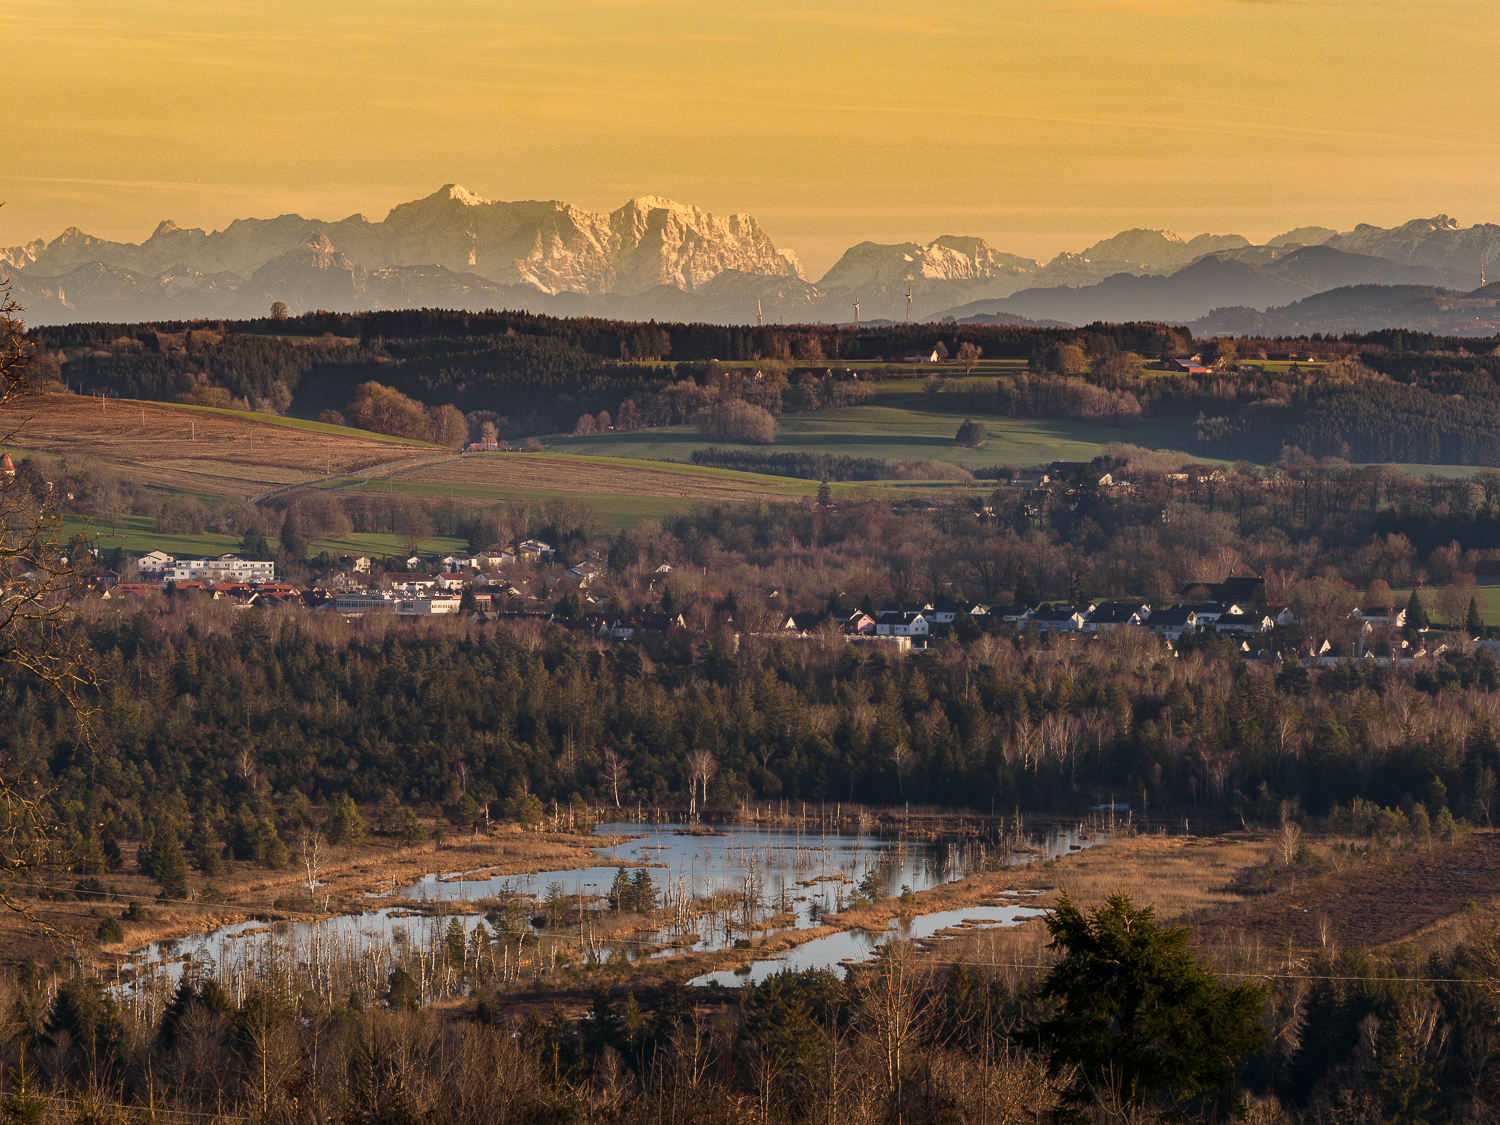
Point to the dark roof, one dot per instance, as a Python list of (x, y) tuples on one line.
[(1113, 614), (1177, 615), (1054, 613)]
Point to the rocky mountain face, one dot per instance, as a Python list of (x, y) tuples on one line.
[(947, 271), (1138, 252), (653, 258), (1440, 243), (544, 247)]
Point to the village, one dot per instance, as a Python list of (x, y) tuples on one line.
[(527, 582)]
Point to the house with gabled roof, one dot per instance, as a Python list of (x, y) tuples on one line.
[(1059, 618), (1172, 623), (902, 623), (1112, 615)]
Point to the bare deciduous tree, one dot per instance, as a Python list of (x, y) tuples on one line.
[(41, 573), (314, 856), (893, 1014), (1289, 841), (701, 767), (614, 773)]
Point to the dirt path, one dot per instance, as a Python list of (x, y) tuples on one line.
[(388, 470)]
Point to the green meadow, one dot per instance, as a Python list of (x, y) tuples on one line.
[(898, 434)]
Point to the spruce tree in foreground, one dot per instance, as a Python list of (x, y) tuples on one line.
[(1134, 1024)]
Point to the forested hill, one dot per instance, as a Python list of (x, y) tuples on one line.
[(537, 373), (1378, 397)]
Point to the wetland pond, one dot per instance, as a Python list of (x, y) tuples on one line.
[(716, 888)]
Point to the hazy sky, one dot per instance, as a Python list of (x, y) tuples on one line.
[(1041, 125)]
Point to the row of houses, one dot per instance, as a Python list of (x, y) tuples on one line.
[(921, 621)]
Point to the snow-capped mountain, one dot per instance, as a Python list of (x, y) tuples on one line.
[(550, 246), (654, 258), (948, 271)]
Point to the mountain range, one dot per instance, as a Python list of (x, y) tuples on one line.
[(657, 259)]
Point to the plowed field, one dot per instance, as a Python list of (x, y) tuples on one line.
[(178, 447)]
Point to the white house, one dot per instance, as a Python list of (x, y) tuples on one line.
[(1382, 617), (1237, 619), (928, 356), (897, 623), (536, 549), (946, 612), (1112, 615), (155, 562), (1209, 612), (1058, 619), (1172, 623), (1016, 615)]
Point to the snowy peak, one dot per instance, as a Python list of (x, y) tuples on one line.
[(948, 258), (460, 194)]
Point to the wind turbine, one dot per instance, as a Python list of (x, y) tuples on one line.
[(759, 319), (856, 307), (908, 303)]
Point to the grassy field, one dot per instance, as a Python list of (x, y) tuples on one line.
[(1488, 598), (136, 535), (896, 434)]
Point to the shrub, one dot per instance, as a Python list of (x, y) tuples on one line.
[(110, 932), (734, 420), (972, 434)]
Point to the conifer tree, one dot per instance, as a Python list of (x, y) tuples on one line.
[(145, 852), (1416, 616), (170, 862), (270, 848), (345, 826)]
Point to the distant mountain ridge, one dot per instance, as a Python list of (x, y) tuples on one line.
[(656, 258)]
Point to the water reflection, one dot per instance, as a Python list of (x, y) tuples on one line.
[(738, 882)]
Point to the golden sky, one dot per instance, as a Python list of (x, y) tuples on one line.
[(1041, 125)]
